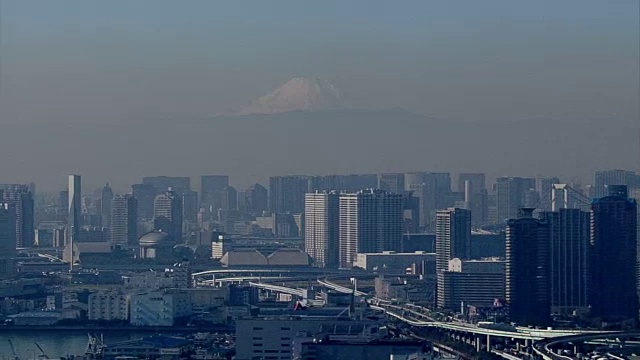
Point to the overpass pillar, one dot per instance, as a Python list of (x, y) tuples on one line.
[(526, 343), (488, 343), (478, 343)]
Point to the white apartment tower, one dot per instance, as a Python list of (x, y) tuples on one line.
[(322, 228)]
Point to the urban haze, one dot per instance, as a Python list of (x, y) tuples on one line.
[(315, 180)]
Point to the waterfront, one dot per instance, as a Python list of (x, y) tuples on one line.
[(56, 344)]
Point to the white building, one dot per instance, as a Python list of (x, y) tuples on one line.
[(159, 308), (322, 228), (392, 261), (108, 306)]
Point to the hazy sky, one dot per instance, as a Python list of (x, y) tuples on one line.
[(117, 61)]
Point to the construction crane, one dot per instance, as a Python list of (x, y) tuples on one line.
[(13, 350), (42, 355)]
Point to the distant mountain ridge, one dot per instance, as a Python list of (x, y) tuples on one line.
[(299, 94)]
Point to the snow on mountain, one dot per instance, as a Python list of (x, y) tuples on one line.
[(298, 94)]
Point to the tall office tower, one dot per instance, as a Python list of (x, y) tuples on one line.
[(190, 206), (527, 271), (511, 195), (635, 194), (286, 194), (257, 199), (545, 187), (74, 222), (322, 228), (229, 199), (453, 236), (478, 182), (22, 200), (145, 194), (124, 220), (475, 196), (569, 243), (370, 222), (178, 184), (354, 183), (167, 214), (391, 182), (7, 239), (63, 203), (611, 177), (613, 257), (106, 196), (411, 207), (211, 187)]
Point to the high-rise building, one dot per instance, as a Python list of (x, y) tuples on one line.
[(613, 257), (391, 182), (145, 194), (63, 204), (7, 239), (612, 177), (106, 195), (453, 236), (190, 206), (355, 183), (286, 194), (569, 243), (211, 187), (257, 199), (511, 195), (167, 214), (478, 182), (527, 271), (124, 216), (229, 199), (74, 222), (370, 222), (22, 199), (545, 189), (635, 194), (322, 228), (178, 184), (474, 187)]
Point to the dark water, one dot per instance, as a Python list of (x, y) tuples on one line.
[(55, 343)]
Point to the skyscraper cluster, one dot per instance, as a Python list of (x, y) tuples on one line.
[(338, 226)]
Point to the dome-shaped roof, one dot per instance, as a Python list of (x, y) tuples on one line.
[(154, 238)]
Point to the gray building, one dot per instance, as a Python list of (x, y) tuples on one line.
[(322, 228), (286, 193), (22, 199), (179, 184), (74, 222), (370, 221), (527, 272), (612, 177), (124, 214), (7, 239), (613, 257), (211, 190), (106, 196), (569, 236), (145, 194), (511, 194), (471, 282), (391, 182), (167, 214), (453, 236)]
